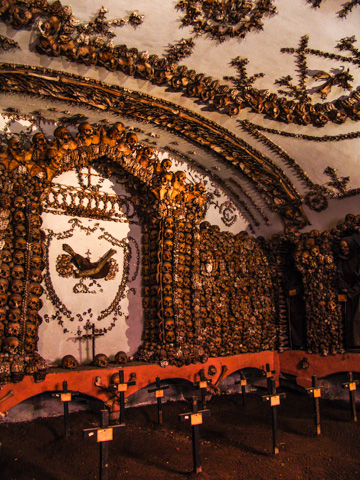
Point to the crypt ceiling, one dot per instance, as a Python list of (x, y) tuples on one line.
[(261, 96)]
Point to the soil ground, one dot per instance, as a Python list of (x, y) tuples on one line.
[(236, 443)]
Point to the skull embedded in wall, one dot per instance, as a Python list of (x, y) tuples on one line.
[(4, 270), (15, 300), (36, 249), (62, 135), (34, 302), (167, 278), (3, 299), (33, 317), (20, 243), (169, 222), (19, 202), (36, 289), (2, 314), (169, 324), (14, 315), (18, 272), (19, 257), (168, 301), (13, 329), (169, 233), (35, 275), (69, 362), (167, 290), (4, 285), (17, 286), (30, 344), (168, 244), (6, 256), (11, 345), (170, 336), (101, 360), (20, 230), (31, 330)]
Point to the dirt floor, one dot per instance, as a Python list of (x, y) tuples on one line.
[(236, 443)]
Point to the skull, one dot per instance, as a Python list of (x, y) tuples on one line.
[(6, 256), (34, 302), (2, 314), (167, 278), (117, 130), (4, 285), (168, 301), (36, 289), (62, 135), (167, 267), (36, 221), (18, 272), (39, 140), (19, 257), (3, 299), (37, 262), (170, 336), (4, 270), (169, 222), (121, 357), (36, 234), (86, 130), (15, 300), (131, 139), (20, 243), (19, 202), (20, 230), (10, 345), (30, 345), (169, 233), (69, 362), (19, 216), (35, 275), (14, 315), (168, 244), (31, 330), (33, 317), (14, 145), (13, 329), (169, 324), (36, 249), (168, 312), (17, 286), (8, 243), (101, 360), (168, 290)]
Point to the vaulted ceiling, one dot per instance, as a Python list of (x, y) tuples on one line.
[(261, 96)]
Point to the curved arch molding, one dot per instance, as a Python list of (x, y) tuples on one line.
[(269, 181)]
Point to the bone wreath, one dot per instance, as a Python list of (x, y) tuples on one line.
[(236, 443)]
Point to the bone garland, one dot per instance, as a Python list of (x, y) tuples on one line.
[(227, 19), (343, 12), (7, 43), (207, 133)]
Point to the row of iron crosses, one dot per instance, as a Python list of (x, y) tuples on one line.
[(105, 432)]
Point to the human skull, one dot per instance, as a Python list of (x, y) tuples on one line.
[(18, 272), (167, 278), (4, 285), (13, 329), (169, 324), (35, 275), (3, 299), (19, 216), (2, 314), (168, 301), (34, 302), (17, 286), (168, 312), (4, 270), (36, 221), (168, 244), (15, 300), (20, 243), (36, 289), (33, 317), (169, 233), (14, 145), (86, 130), (117, 130), (6, 256), (36, 249), (31, 330), (19, 202), (101, 360), (14, 315), (167, 290), (30, 344), (69, 362), (19, 257), (131, 139), (39, 140), (121, 357), (36, 262), (10, 345), (20, 230), (169, 222), (170, 336), (167, 267), (62, 135)]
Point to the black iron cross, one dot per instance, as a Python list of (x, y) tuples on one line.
[(159, 392), (66, 396), (315, 392), (93, 337), (352, 384), (274, 399), (121, 388), (195, 418), (242, 382), (202, 385), (104, 434)]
